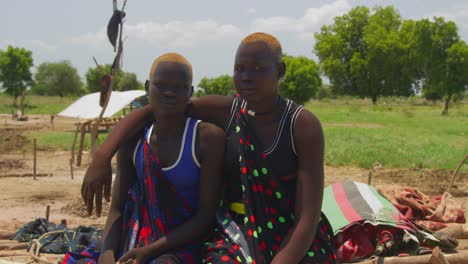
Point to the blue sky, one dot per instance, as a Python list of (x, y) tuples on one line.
[(206, 32)]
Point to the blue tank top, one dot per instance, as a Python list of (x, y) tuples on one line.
[(184, 174)]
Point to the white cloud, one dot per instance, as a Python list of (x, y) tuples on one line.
[(179, 34), (33, 44), (304, 27), (458, 14), (251, 11), (42, 45), (91, 39)]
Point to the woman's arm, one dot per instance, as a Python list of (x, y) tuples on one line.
[(110, 242), (212, 108), (98, 176), (211, 142), (309, 143)]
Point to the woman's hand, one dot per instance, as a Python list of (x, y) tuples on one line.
[(107, 257), (97, 179), (138, 255)]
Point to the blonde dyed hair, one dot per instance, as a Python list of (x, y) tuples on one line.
[(170, 57), (270, 41)]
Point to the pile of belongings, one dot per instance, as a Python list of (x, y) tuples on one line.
[(69, 240), (433, 213), (366, 224)]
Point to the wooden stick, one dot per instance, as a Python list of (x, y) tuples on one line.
[(14, 246), (23, 175), (4, 254), (6, 234), (117, 58), (71, 168), (47, 214), (369, 178), (438, 257), (35, 158), (462, 244), (455, 173), (74, 142), (457, 258), (80, 150)]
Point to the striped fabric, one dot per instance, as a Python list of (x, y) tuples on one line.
[(346, 203)]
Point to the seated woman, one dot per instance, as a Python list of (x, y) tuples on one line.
[(167, 186), (273, 166)]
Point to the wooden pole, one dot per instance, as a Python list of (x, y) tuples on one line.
[(47, 213), (35, 158), (369, 178), (71, 168), (74, 142), (80, 150), (456, 172)]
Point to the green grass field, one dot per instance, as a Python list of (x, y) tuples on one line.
[(37, 105), (398, 133), (395, 133)]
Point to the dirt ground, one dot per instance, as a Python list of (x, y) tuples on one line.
[(24, 199)]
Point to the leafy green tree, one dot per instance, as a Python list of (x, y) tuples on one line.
[(340, 46), (15, 71), (128, 81), (368, 54), (302, 79), (123, 81), (222, 85), (57, 78), (94, 75), (456, 72), (441, 58)]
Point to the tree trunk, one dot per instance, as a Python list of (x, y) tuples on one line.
[(447, 102), (23, 95), (374, 99), (14, 101)]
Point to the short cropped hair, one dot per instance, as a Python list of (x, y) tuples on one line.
[(170, 57)]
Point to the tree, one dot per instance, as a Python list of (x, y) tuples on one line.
[(441, 58), (15, 71), (339, 46), (128, 81), (301, 80), (387, 55), (222, 85), (368, 54), (94, 76), (456, 72), (124, 81), (57, 78)]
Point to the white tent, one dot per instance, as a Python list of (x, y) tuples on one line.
[(87, 107)]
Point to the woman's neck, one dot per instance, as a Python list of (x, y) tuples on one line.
[(169, 123), (266, 109)]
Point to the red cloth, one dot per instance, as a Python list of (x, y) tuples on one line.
[(360, 241), (432, 212)]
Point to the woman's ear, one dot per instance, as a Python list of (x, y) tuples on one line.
[(191, 91), (281, 70), (147, 87)]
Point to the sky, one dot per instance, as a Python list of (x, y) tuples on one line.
[(206, 32)]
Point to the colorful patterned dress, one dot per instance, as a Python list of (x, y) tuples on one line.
[(255, 180)]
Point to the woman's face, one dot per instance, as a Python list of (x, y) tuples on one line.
[(170, 88), (256, 72)]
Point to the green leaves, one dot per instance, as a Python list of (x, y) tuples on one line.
[(302, 79), (57, 78), (15, 70), (222, 85), (123, 81)]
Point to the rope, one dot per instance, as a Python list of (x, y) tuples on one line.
[(36, 245)]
